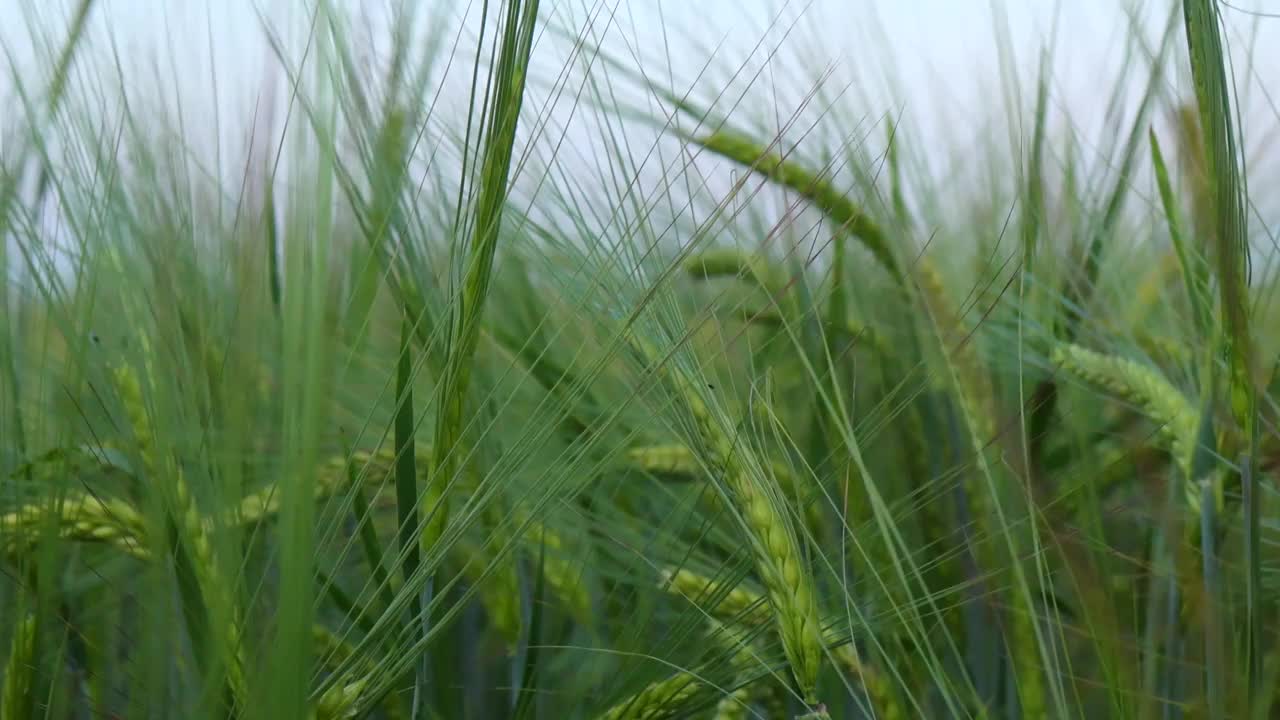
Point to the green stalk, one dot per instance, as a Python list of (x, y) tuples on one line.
[(407, 494), (464, 329), (1194, 275), (1231, 245)]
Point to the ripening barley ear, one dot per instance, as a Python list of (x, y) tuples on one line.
[(670, 696), (660, 699), (342, 698), (735, 705), (819, 191), (494, 571), (79, 517), (961, 349), (735, 603), (15, 695), (738, 647), (673, 459), (778, 560), (879, 689), (216, 595), (730, 262), (1144, 387), (564, 571)]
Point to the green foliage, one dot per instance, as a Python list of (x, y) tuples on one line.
[(524, 414)]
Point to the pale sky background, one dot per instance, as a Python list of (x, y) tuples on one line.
[(944, 50), (936, 63)]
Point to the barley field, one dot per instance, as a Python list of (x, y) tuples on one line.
[(485, 364)]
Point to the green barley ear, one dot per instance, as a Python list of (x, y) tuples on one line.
[(1229, 239), (734, 705), (496, 578), (731, 262), (207, 588), (80, 517), (668, 697), (878, 688), (1142, 386), (564, 575), (660, 699), (464, 329), (721, 600), (337, 655), (758, 502), (672, 459), (341, 701), (15, 697), (767, 161)]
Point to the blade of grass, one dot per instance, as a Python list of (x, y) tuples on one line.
[(406, 480), (1231, 250), (464, 328)]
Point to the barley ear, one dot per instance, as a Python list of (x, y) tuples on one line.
[(497, 582), (79, 517), (564, 575), (218, 593), (1142, 386), (878, 688), (15, 697), (722, 602), (815, 188), (731, 262), (665, 698), (773, 542)]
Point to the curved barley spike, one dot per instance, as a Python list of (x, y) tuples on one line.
[(341, 701), (336, 655), (672, 459), (731, 262), (1142, 386), (735, 705), (661, 699), (79, 517), (563, 574), (218, 593), (879, 688), (499, 590), (815, 188), (774, 546), (15, 694), (737, 603), (666, 698)]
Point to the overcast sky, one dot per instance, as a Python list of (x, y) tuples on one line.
[(934, 62)]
